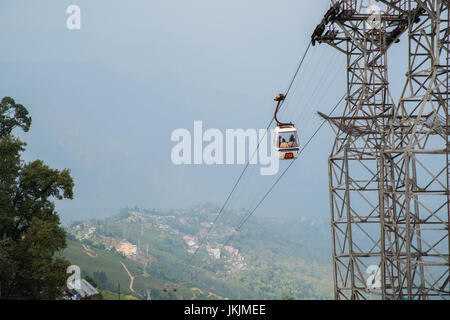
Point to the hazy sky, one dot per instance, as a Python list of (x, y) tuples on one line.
[(105, 99)]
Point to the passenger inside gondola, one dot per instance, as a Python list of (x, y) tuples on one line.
[(292, 141), (284, 144), (287, 140)]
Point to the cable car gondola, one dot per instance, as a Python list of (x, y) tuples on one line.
[(286, 140)]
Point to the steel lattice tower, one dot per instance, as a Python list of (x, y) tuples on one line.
[(389, 167)]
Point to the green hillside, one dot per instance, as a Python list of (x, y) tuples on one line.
[(110, 263), (268, 259)]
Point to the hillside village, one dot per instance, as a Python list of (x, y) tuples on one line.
[(232, 259), (145, 251)]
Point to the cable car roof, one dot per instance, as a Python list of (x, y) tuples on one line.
[(285, 129)]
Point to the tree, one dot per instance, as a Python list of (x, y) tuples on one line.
[(13, 115), (91, 281), (101, 278), (31, 237)]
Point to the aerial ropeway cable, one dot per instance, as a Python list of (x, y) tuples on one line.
[(286, 143), (219, 214), (247, 217)]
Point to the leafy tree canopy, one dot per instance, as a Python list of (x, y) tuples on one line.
[(13, 115), (30, 233)]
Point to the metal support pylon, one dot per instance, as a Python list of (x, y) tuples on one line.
[(389, 167)]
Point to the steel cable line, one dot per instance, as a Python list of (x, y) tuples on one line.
[(298, 69), (308, 116), (304, 85), (191, 259), (288, 91), (285, 103), (325, 85), (246, 218), (282, 103)]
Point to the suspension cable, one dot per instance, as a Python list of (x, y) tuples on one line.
[(246, 218), (219, 214)]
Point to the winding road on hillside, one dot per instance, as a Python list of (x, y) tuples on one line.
[(144, 274)]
